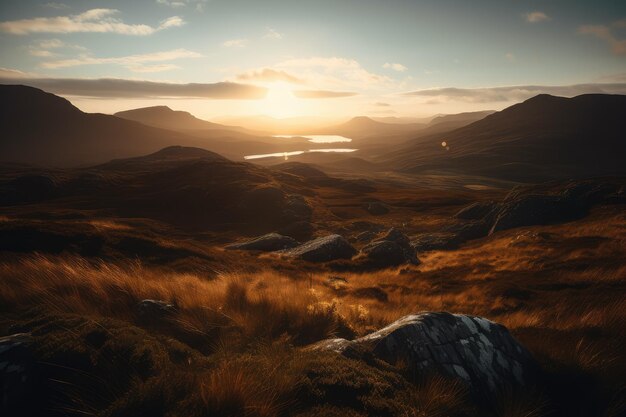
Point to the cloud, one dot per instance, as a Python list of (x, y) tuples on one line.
[(269, 75), (516, 93), (12, 74), (235, 43), (134, 63), (395, 66), (58, 6), (381, 104), (536, 17), (177, 4), (173, 4), (618, 46), (332, 72), (120, 88), (272, 34), (94, 21), (322, 94), (43, 48)]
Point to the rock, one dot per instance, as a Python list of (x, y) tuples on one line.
[(435, 241), (395, 235), (365, 236), (266, 243), (476, 211), (155, 309), (323, 249), (297, 208), (376, 208), (469, 231), (478, 352), (534, 209), (384, 253), (16, 372), (394, 248)]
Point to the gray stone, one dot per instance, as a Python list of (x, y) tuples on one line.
[(323, 249), (394, 248), (266, 243), (473, 349)]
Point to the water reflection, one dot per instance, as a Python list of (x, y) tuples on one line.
[(319, 138), (286, 155)]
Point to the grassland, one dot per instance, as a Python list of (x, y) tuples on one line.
[(235, 344)]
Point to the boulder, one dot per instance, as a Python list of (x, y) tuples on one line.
[(435, 241), (481, 353), (266, 243), (16, 373), (376, 208), (384, 253), (323, 249), (535, 209), (394, 248), (476, 211)]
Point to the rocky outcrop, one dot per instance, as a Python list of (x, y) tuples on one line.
[(323, 249), (16, 372), (394, 248), (476, 211), (435, 241), (479, 352), (266, 243), (530, 210)]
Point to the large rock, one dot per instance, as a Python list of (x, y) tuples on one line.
[(475, 350), (323, 249), (535, 209), (16, 373), (394, 248), (266, 243), (384, 253), (435, 241)]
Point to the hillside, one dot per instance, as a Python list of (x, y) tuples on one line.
[(543, 138), (166, 118), (43, 129)]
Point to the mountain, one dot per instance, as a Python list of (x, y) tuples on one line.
[(166, 118), (362, 127), (543, 138), (43, 129)]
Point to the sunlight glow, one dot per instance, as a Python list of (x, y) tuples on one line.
[(280, 101)]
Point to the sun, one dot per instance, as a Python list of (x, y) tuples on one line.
[(280, 101)]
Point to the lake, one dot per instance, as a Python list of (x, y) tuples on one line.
[(286, 155), (318, 138)]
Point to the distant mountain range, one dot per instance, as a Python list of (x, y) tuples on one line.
[(542, 138), (166, 118)]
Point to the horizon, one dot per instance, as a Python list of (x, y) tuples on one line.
[(333, 61)]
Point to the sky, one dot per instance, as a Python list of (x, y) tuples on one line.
[(338, 58)]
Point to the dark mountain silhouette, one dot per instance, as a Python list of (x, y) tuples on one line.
[(43, 129), (166, 118), (543, 138), (40, 128)]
